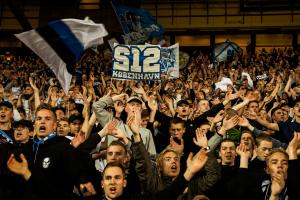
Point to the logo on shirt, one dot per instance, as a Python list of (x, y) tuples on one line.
[(46, 162)]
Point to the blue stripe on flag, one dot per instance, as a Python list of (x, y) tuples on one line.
[(67, 37)]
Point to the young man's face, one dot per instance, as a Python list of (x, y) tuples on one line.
[(132, 107), (45, 123), (116, 153), (203, 106), (22, 134), (145, 121), (296, 109), (263, 150), (277, 164), (278, 116), (113, 182), (59, 114), (177, 130), (253, 107), (6, 114), (171, 166), (75, 126), (63, 128), (247, 139), (227, 153), (183, 110)]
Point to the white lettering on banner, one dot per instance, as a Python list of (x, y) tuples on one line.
[(136, 62), (135, 76)]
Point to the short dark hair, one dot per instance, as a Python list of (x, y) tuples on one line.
[(45, 106), (177, 120), (253, 102), (65, 119), (118, 143), (114, 164), (227, 140), (274, 110), (262, 137)]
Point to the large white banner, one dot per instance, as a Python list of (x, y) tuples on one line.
[(145, 62), (136, 62)]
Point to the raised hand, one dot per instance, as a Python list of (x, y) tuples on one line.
[(250, 115), (169, 100), (278, 184), (119, 106), (195, 164), (139, 90), (293, 146), (219, 117), (200, 140), (176, 146), (251, 96), (244, 154), (230, 96), (230, 123), (242, 151), (108, 128), (243, 121), (117, 133), (78, 139), (20, 168), (32, 84), (134, 122), (152, 103), (87, 189), (120, 97)]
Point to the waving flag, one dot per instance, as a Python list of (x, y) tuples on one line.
[(137, 24), (61, 43)]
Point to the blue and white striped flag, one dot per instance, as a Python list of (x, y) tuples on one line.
[(61, 43)]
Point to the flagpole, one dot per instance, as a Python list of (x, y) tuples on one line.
[(115, 10)]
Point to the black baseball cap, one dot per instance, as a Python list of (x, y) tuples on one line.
[(23, 122), (183, 101), (7, 104), (76, 117)]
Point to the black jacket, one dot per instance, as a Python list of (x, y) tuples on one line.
[(55, 169), (171, 192), (12, 186)]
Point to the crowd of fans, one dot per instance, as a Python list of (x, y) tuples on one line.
[(222, 130)]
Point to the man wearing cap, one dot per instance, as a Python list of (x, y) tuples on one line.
[(50, 166), (133, 106), (6, 118), (23, 130), (75, 122)]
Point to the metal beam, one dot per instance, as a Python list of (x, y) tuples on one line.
[(19, 14)]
